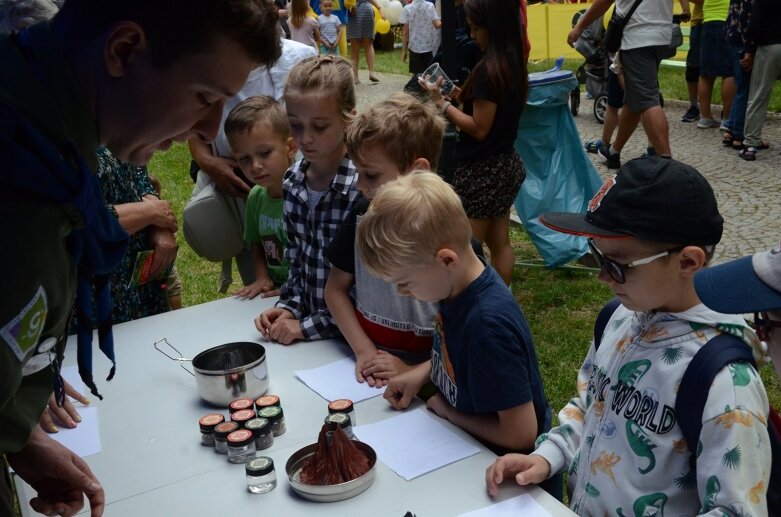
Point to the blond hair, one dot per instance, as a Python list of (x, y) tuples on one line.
[(402, 126), (326, 75), (260, 108), (409, 220)]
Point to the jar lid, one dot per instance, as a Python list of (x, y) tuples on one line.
[(340, 419), (243, 415), (272, 413), (256, 425), (207, 422), (224, 429), (340, 406), (267, 400), (241, 438), (240, 404), (260, 466)]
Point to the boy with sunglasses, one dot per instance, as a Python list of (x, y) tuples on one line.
[(651, 228)]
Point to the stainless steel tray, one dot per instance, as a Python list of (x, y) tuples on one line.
[(329, 493)]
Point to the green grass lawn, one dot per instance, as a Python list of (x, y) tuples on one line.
[(561, 305)]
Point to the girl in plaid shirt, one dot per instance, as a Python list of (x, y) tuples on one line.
[(319, 191)]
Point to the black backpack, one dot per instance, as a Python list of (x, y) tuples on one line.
[(693, 393)]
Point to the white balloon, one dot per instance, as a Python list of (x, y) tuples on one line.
[(383, 4), (393, 11)]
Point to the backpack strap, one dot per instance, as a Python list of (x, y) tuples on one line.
[(604, 316), (697, 379)]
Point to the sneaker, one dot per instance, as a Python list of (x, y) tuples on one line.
[(707, 123), (592, 146), (649, 151), (611, 160), (692, 114)]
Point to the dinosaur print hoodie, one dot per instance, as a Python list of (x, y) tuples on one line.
[(619, 438)]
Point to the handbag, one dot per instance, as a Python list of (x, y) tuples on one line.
[(615, 29), (676, 40)]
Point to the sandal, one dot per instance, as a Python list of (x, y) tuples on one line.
[(748, 153), (726, 139), (592, 146), (764, 144), (374, 79), (737, 144)]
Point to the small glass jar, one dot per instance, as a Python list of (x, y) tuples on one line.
[(207, 424), (343, 406), (239, 404), (275, 417), (241, 446), (242, 416), (221, 432), (343, 421), (267, 401), (261, 477), (261, 429)]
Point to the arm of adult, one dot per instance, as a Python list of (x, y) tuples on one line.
[(510, 428), (64, 415), (404, 42), (134, 217), (337, 298), (60, 477), (477, 125), (597, 9), (220, 169), (163, 241), (402, 388)]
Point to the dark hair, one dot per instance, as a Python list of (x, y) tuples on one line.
[(177, 28), (503, 62)]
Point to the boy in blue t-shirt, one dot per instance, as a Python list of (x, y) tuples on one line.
[(259, 135), (416, 235)]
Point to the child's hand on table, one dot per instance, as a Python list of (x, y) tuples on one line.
[(261, 286), (526, 468)]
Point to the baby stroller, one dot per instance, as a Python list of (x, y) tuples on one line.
[(593, 72)]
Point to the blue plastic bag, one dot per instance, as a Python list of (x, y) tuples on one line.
[(559, 175)]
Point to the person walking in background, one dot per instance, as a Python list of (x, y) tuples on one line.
[(489, 172), (765, 29), (360, 32), (715, 61), (420, 34), (330, 29), (692, 73)]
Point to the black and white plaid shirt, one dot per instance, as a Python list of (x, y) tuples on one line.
[(309, 236)]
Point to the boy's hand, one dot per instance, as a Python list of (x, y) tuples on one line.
[(383, 366), (439, 406), (259, 286), (286, 331), (403, 387), (266, 318), (527, 469), (65, 415), (362, 361)]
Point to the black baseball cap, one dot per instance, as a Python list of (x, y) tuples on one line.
[(652, 198)]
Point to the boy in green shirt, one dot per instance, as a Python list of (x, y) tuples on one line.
[(259, 135)]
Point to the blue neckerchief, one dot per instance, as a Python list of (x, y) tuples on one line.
[(63, 176)]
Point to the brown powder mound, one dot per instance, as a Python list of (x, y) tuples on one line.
[(336, 460)]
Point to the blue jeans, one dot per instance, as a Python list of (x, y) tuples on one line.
[(737, 114)]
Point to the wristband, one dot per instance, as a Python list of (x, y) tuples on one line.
[(444, 107)]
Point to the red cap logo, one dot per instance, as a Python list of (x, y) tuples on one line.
[(597, 199)]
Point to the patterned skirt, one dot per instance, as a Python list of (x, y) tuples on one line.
[(488, 187), (361, 25)]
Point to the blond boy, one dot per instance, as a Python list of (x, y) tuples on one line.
[(386, 331), (259, 135), (416, 236)]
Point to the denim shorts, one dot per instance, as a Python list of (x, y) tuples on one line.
[(715, 53)]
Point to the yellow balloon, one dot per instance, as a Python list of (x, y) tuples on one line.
[(381, 26), (349, 4)]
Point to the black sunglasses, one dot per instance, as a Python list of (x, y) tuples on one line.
[(616, 270)]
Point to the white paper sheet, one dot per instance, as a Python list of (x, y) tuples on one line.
[(415, 443), (524, 505), (337, 381), (85, 439)]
